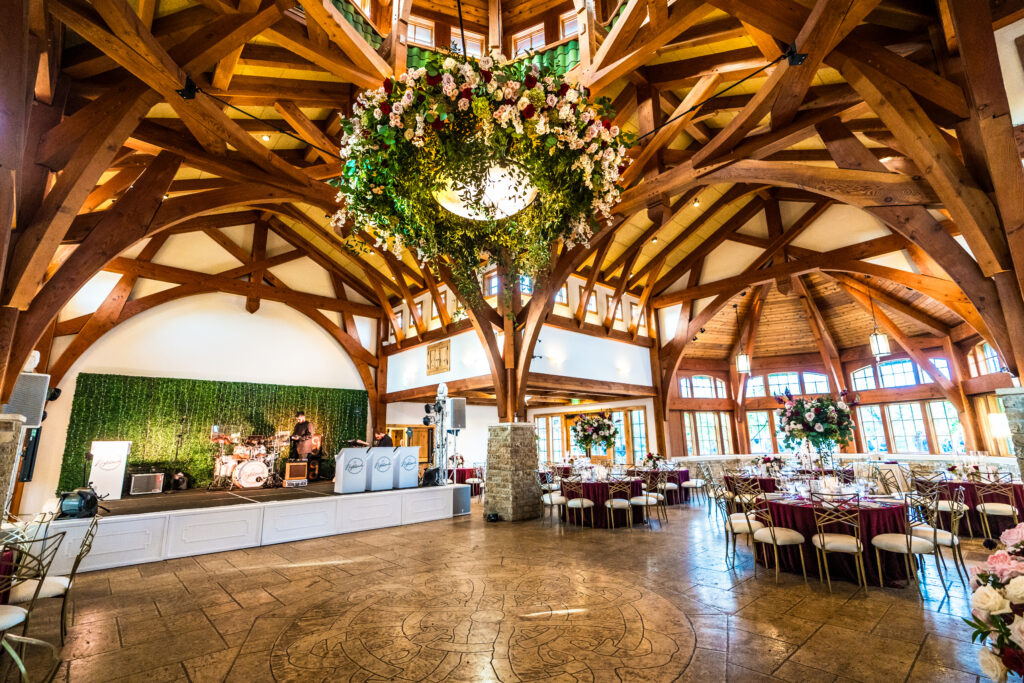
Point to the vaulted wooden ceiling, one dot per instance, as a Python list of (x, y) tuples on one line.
[(898, 109)]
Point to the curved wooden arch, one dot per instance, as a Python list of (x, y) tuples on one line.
[(133, 308)]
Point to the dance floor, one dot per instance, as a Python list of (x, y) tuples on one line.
[(463, 600)]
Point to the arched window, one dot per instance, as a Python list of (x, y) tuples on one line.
[(815, 383), (864, 378), (720, 388), (941, 364), (897, 373), (703, 386)]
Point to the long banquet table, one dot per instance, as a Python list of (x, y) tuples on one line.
[(597, 491), (798, 514), (768, 484)]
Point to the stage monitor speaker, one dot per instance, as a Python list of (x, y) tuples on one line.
[(455, 413), (432, 477), (29, 397), (152, 482)]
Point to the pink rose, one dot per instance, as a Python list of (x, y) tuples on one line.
[(1012, 537), (1004, 566)]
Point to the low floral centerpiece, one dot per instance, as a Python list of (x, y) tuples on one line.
[(997, 607), (770, 464), (822, 423), (594, 430), (517, 157), (962, 471)]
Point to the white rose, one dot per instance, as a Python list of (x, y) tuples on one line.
[(809, 416), (449, 64), (1015, 591), (990, 600), (842, 405), (991, 665), (819, 428), (408, 133), (1017, 630)]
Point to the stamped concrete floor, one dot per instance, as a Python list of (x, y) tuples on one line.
[(463, 600)]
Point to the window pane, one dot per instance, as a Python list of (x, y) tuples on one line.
[(759, 426), (897, 373), (864, 378), (815, 383), (526, 284), (720, 388), (421, 31), (563, 295), (948, 431), (780, 381), (569, 27), (755, 387), (907, 426), (872, 430), (542, 440), (684, 387), (556, 437), (780, 435), (618, 419), (707, 433), (491, 285), (725, 424), (992, 362), (691, 447), (638, 430), (702, 387)]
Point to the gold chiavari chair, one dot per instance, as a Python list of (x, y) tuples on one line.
[(996, 500), (734, 526), (618, 499), (948, 538), (927, 484), (843, 511), (8, 641), (756, 512), (572, 489), (648, 498), (551, 495), (886, 479), (920, 513)]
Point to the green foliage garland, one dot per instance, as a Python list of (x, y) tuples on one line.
[(147, 411), (450, 122)]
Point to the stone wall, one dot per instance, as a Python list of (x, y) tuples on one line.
[(512, 490), (10, 441), (1013, 403)]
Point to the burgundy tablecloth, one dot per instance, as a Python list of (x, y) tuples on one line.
[(873, 521), (597, 491), (971, 500), (562, 470), (675, 476), (768, 484), (464, 473)]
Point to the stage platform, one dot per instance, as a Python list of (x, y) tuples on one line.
[(156, 527)]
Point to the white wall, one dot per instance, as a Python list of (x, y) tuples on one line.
[(408, 369), (471, 442), (574, 354), (210, 336), (1013, 72)]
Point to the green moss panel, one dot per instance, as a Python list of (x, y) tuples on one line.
[(355, 17)]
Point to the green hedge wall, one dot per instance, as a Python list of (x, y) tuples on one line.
[(148, 410)]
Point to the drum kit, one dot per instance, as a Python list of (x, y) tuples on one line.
[(252, 462)]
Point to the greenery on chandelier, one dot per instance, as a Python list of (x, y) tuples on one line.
[(594, 430), (445, 126), (823, 422), (148, 411)]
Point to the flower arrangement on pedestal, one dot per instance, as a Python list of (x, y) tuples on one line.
[(822, 422), (594, 429), (997, 607), (517, 157)]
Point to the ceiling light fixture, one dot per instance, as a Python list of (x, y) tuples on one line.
[(877, 340), (742, 359), (266, 138), (696, 202), (654, 240)]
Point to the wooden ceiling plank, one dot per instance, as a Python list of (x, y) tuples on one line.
[(345, 36), (288, 33), (326, 148), (857, 282)]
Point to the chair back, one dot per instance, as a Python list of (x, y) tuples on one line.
[(718, 492), (929, 484), (619, 486), (886, 480), (45, 549), (906, 472), (86, 547), (999, 491), (836, 510), (572, 488), (650, 479), (750, 497), (922, 511), (957, 510)]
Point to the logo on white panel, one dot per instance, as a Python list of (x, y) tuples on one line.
[(409, 463), (382, 464), (354, 466)]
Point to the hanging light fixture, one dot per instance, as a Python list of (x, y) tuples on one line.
[(742, 359), (878, 340)]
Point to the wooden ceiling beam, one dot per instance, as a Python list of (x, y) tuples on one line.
[(345, 36), (746, 336), (823, 338)]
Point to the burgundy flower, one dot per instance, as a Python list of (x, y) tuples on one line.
[(530, 81), (366, 133), (622, 168), (467, 93), (486, 75), (385, 108), (1013, 659), (529, 111), (563, 89), (437, 124), (433, 80), (607, 124), (389, 85)]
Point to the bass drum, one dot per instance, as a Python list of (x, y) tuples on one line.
[(250, 474)]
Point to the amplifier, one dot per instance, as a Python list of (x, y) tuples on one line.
[(295, 471), (152, 482), (291, 483)]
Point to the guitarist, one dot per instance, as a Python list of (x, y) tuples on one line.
[(302, 438)]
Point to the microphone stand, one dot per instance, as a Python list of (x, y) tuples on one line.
[(177, 447)]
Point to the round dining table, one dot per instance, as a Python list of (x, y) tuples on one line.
[(676, 477), (597, 491), (997, 524), (768, 484), (464, 473), (876, 517)]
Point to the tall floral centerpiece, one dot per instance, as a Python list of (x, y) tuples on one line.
[(823, 423), (594, 429), (997, 607), (478, 161)]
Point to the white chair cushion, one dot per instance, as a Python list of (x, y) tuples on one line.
[(837, 543), (11, 616), (998, 509), (942, 537), (745, 497), (728, 495), (617, 503), (742, 526), (554, 486), (553, 499), (668, 486), (643, 500), (53, 586), (474, 480), (949, 506), (783, 536), (897, 543), (693, 483), (580, 503)]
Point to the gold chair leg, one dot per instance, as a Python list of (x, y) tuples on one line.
[(828, 577), (775, 553), (803, 568), (942, 577), (878, 564), (817, 557)]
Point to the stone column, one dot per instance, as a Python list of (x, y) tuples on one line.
[(512, 490), (1013, 402), (10, 444)]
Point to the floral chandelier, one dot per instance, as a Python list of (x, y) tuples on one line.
[(487, 161)]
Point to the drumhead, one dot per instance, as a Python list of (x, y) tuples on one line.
[(250, 474)]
